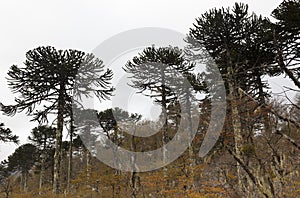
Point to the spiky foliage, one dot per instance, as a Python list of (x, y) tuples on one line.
[(6, 135), (50, 79)]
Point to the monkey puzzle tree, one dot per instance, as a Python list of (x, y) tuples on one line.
[(239, 43), (241, 46), (154, 73), (49, 80)]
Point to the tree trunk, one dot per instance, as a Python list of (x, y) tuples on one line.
[(134, 175), (236, 123), (58, 143), (262, 103), (255, 178), (190, 132), (70, 150), (165, 136), (88, 167), (42, 174), (25, 175), (43, 159), (7, 187)]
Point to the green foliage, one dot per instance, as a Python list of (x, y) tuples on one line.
[(43, 137), (6, 135), (23, 158), (286, 38), (55, 79), (49, 74), (154, 70), (288, 14), (237, 40)]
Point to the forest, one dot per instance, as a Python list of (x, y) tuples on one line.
[(256, 153)]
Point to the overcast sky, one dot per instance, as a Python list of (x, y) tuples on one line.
[(83, 25)]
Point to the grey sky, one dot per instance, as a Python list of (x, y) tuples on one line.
[(83, 25)]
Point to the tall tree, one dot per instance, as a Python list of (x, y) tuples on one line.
[(240, 45), (48, 80), (154, 73)]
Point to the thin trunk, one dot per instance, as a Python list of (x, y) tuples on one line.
[(133, 184), (164, 114), (7, 188), (21, 182), (43, 158), (58, 143), (190, 132), (113, 190), (116, 159), (42, 174), (6, 194), (70, 150), (247, 132), (262, 102), (134, 174), (88, 167), (25, 175)]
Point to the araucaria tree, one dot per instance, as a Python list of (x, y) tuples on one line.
[(241, 46), (48, 81), (154, 73)]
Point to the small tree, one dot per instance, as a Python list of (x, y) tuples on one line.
[(22, 160), (43, 137)]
